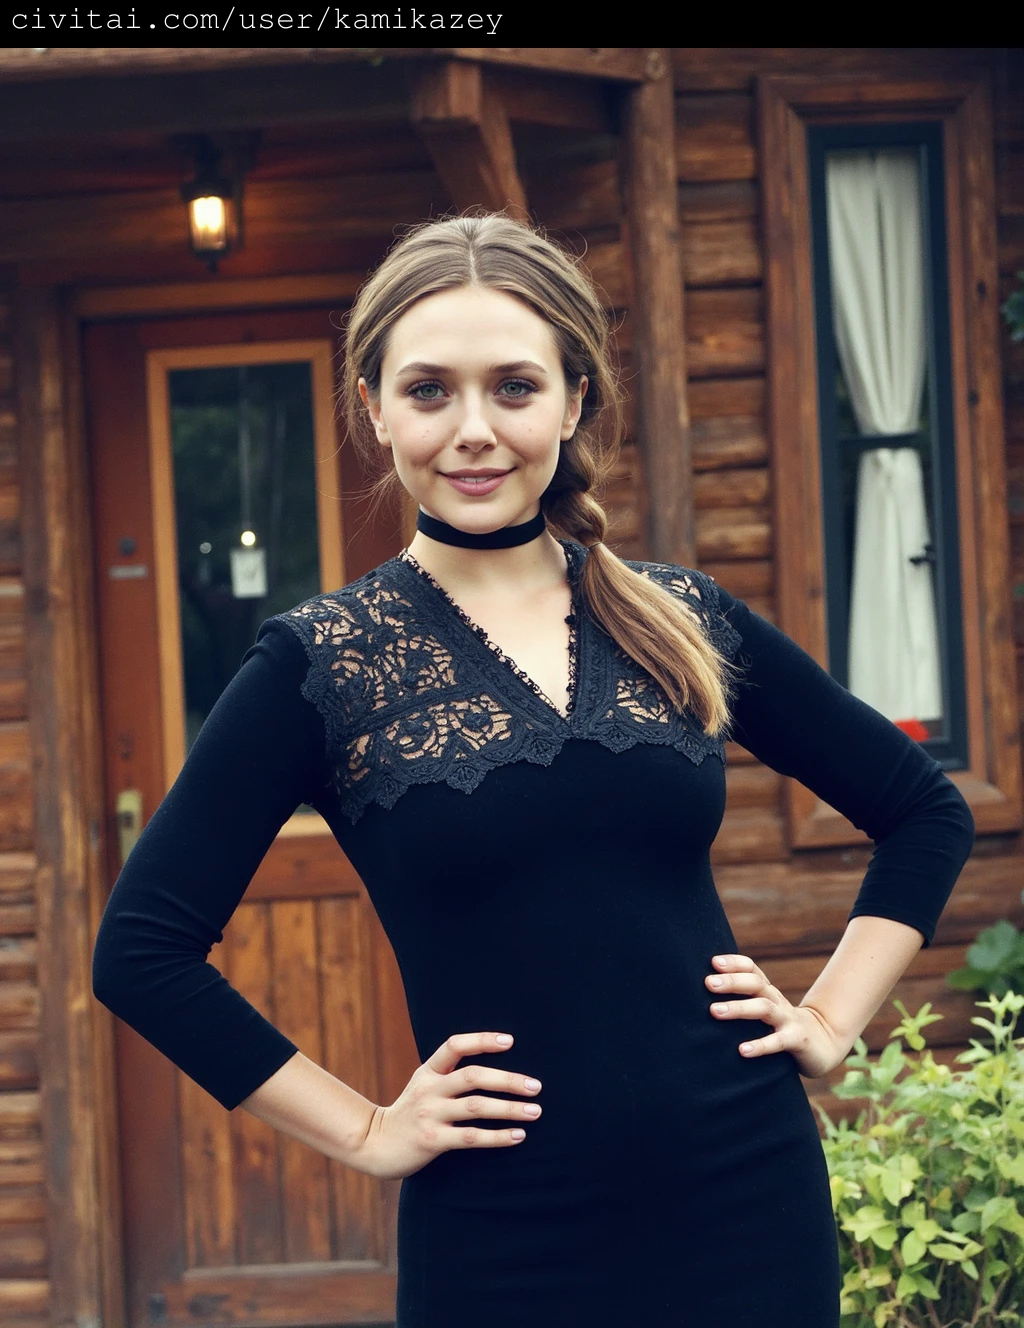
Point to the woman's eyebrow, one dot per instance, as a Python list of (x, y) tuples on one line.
[(518, 366), (420, 367), (437, 370)]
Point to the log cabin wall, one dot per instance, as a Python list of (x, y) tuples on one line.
[(23, 1240), (789, 908), (323, 201)]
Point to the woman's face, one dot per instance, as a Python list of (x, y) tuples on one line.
[(474, 405)]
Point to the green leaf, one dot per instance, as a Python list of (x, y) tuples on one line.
[(913, 1248), (1001, 1211), (865, 1220), (1011, 1168), (878, 1276), (898, 1177), (967, 979), (870, 1223), (970, 1268), (927, 1229), (906, 1286), (994, 947), (943, 1250)]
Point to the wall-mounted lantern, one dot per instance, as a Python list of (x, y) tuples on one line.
[(213, 198)]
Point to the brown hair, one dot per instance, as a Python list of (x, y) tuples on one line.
[(493, 251)]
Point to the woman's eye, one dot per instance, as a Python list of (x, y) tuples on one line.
[(426, 391), (516, 387)]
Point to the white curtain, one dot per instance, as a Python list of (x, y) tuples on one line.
[(877, 265)]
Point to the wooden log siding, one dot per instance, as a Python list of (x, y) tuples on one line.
[(24, 1289), (581, 203), (1009, 173), (804, 898)]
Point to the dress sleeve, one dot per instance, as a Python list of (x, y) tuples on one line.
[(793, 716), (259, 755)]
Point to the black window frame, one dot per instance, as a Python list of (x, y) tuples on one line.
[(950, 749)]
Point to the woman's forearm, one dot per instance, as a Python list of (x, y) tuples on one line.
[(305, 1101), (872, 956)]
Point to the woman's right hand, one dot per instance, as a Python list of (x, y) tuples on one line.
[(439, 1108)]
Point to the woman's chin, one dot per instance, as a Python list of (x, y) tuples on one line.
[(476, 516)]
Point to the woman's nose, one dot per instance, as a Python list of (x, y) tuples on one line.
[(474, 427)]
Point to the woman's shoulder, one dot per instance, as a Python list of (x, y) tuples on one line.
[(335, 617), (701, 594), (698, 588)]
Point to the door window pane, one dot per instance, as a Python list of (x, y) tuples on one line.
[(245, 513)]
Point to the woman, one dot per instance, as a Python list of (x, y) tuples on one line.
[(518, 740)]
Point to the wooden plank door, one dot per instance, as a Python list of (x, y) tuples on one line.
[(225, 1221)]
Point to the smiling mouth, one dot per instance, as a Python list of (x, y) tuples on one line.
[(474, 476)]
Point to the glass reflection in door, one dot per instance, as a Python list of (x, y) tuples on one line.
[(245, 507)]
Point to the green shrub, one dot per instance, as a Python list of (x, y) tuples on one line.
[(927, 1184), (995, 962)]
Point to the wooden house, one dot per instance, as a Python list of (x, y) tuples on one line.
[(692, 180)]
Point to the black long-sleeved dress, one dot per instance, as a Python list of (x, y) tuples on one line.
[(548, 876)]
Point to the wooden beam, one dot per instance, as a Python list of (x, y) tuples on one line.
[(187, 297), (461, 117), (625, 64), (657, 315), (292, 211), (60, 651), (555, 100), (362, 96), (199, 101)]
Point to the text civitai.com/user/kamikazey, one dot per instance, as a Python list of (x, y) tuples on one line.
[(331, 19)]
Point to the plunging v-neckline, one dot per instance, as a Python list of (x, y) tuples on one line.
[(481, 633)]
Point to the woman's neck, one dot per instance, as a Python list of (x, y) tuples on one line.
[(479, 571)]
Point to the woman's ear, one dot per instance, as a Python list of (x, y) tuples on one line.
[(373, 409), (574, 408)]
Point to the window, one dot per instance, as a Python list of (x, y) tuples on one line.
[(857, 143), (887, 441)]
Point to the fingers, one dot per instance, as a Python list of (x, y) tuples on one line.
[(489, 1108), (736, 964), (753, 1008), (459, 1045), (445, 1096), (472, 1137), (472, 1077), (764, 1046), (750, 984), (738, 974)]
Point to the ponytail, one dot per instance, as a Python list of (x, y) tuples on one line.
[(640, 616)]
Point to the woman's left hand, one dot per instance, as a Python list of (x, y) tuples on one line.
[(798, 1029)]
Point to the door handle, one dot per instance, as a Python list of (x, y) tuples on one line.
[(129, 821)]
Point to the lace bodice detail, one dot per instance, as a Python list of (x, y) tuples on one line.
[(411, 691)]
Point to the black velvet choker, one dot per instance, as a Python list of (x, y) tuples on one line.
[(505, 538)]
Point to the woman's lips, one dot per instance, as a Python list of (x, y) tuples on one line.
[(476, 487)]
